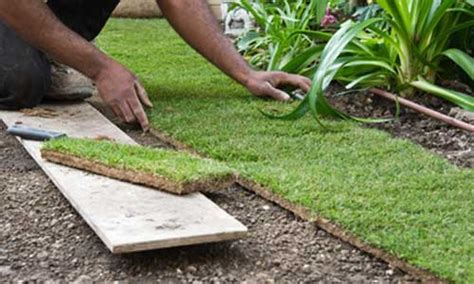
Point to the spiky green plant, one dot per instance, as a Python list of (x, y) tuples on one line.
[(404, 57), (284, 34)]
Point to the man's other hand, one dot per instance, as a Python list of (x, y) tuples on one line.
[(265, 84), (122, 91)]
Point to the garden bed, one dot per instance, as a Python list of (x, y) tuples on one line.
[(391, 193)]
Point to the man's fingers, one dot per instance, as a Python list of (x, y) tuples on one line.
[(276, 94), (139, 113), (308, 83), (298, 81), (142, 94), (127, 113), (117, 111)]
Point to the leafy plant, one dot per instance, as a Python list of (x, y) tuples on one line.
[(285, 36), (404, 57)]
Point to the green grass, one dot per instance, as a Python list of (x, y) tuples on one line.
[(176, 166), (390, 192)]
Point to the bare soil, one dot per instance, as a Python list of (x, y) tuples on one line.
[(454, 144), (43, 238)]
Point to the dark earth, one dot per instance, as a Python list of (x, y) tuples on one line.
[(43, 238), (454, 144)]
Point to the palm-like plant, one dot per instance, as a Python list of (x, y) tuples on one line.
[(404, 57), (421, 31), (283, 32)]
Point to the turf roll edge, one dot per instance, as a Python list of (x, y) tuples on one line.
[(167, 170)]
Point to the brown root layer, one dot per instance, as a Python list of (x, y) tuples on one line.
[(326, 225), (141, 178)]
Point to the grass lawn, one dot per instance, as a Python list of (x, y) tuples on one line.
[(390, 192)]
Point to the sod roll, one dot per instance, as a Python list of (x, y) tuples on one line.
[(167, 170)]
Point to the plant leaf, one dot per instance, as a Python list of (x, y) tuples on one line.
[(460, 99), (303, 59), (462, 59)]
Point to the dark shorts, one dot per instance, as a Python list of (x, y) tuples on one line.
[(25, 73)]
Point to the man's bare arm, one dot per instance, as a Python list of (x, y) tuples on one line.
[(193, 20), (35, 23)]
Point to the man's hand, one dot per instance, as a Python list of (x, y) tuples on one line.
[(122, 91), (265, 84)]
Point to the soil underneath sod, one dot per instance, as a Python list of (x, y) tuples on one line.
[(390, 193)]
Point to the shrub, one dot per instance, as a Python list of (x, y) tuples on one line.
[(404, 57)]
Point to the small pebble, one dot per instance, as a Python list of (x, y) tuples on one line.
[(42, 255), (83, 279), (191, 269), (307, 268)]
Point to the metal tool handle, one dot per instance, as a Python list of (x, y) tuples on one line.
[(29, 133)]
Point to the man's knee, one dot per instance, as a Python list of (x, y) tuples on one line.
[(25, 87), (25, 73)]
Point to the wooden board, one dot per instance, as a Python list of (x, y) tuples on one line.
[(126, 217)]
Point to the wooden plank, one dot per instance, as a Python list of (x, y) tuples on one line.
[(126, 217)]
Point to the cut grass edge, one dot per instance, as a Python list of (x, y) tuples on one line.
[(204, 184), (325, 224)]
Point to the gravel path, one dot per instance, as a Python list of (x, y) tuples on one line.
[(42, 238)]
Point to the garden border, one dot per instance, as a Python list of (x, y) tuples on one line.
[(325, 224)]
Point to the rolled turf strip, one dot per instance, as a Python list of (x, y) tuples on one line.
[(171, 171)]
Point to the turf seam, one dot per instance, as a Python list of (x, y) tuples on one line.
[(136, 177), (323, 223)]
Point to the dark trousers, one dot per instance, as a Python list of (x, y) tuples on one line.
[(25, 72)]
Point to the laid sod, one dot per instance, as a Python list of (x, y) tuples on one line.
[(389, 192), (167, 170)]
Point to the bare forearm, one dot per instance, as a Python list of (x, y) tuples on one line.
[(36, 24), (193, 20)]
